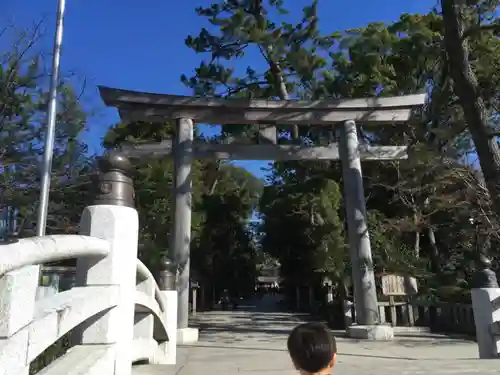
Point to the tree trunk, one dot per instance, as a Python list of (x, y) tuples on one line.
[(466, 87), (435, 261), (416, 245), (213, 177), (274, 65), (282, 91)]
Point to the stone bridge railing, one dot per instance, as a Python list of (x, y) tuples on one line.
[(116, 313)]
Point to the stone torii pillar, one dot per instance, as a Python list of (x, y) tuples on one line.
[(363, 277), (181, 231)]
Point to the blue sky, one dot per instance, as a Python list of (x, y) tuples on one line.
[(139, 45)]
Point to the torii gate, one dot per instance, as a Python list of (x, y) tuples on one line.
[(134, 105)]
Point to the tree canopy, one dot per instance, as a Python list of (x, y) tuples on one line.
[(23, 106), (428, 215)]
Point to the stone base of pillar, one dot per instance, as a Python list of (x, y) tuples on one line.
[(187, 336), (379, 332)]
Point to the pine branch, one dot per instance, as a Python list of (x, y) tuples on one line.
[(475, 30)]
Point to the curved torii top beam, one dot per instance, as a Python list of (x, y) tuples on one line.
[(136, 105)]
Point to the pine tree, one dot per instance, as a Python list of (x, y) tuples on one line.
[(23, 107), (291, 53)]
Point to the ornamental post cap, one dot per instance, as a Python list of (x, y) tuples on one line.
[(167, 264), (115, 161), (113, 183), (484, 261), (168, 274)]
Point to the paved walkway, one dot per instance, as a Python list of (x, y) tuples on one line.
[(253, 341)]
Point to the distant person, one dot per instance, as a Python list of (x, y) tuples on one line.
[(275, 288), (312, 349), (225, 300)]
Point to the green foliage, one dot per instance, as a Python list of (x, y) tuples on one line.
[(23, 105), (306, 207), (292, 53), (222, 248), (226, 254), (419, 209), (428, 215), (23, 113)]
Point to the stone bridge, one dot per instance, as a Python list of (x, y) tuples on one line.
[(116, 314)]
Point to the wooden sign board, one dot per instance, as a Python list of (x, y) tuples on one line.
[(397, 285)]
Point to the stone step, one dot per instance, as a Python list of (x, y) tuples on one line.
[(411, 330), (155, 369)]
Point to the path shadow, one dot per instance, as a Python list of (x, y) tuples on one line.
[(235, 329), (340, 353)]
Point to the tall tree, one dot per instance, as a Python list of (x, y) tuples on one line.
[(222, 251), (290, 53), (426, 190), (466, 24), (226, 254), (307, 247), (413, 208), (23, 106)]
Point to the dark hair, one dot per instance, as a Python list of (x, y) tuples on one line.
[(311, 347)]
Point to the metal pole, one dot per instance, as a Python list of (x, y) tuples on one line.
[(51, 124)]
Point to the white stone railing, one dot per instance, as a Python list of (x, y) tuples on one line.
[(156, 318), (116, 313), (38, 250)]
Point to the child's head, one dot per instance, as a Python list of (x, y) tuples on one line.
[(312, 348)]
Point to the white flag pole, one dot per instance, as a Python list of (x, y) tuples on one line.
[(51, 124)]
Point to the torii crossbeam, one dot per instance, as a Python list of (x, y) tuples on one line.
[(344, 114)]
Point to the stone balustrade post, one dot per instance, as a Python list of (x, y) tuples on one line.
[(486, 306), (144, 321), (168, 287), (18, 291), (112, 217)]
